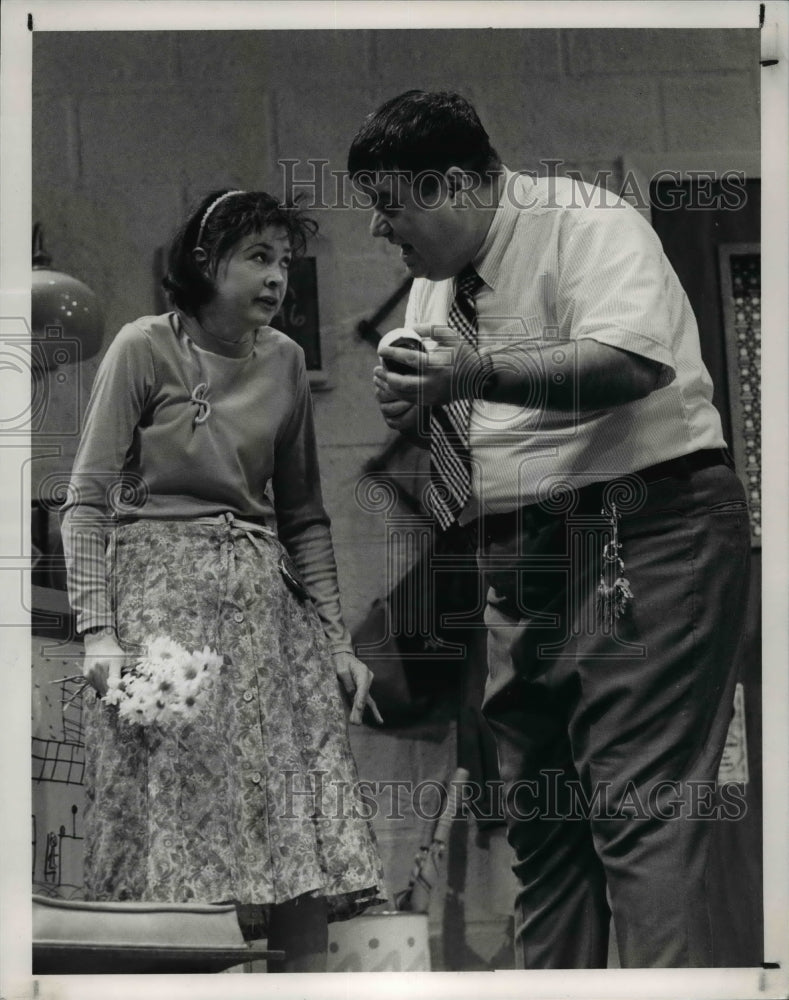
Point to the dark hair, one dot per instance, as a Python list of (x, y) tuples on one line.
[(419, 132), (217, 229)]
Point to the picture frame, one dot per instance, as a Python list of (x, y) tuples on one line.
[(740, 285), (299, 316)]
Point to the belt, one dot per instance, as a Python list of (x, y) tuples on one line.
[(240, 520), (589, 497), (680, 467)]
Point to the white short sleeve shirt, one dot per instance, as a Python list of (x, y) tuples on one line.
[(563, 261)]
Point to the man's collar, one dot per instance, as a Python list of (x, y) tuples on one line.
[(488, 259)]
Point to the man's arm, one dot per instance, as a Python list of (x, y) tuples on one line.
[(585, 374)]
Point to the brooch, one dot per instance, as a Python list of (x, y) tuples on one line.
[(198, 398)]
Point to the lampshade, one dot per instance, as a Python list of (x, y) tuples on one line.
[(65, 314)]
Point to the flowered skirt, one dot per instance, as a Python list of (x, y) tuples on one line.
[(253, 798)]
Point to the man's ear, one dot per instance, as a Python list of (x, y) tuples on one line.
[(458, 181)]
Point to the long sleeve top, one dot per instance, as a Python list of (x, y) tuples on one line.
[(253, 454)]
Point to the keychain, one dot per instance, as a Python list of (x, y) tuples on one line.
[(613, 590)]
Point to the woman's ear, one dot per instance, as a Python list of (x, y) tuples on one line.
[(200, 258)]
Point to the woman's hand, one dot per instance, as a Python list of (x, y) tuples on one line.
[(104, 658), (356, 678)]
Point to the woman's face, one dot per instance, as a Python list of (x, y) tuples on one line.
[(251, 280)]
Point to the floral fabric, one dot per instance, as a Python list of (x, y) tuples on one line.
[(252, 800)]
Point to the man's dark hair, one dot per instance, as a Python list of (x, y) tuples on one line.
[(220, 220), (421, 132)]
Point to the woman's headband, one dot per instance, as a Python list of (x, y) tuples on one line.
[(210, 209)]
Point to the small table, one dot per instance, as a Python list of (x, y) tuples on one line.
[(77, 937), (55, 959)]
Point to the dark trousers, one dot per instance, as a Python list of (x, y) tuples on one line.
[(609, 738)]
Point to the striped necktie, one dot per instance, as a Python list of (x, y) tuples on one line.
[(450, 458)]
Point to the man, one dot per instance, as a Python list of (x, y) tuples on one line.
[(569, 419)]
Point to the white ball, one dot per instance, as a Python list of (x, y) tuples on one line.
[(404, 338), (401, 332)]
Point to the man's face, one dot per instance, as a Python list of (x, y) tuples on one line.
[(423, 220)]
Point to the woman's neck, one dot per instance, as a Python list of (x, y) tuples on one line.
[(213, 337)]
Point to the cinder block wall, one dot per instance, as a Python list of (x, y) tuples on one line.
[(130, 128)]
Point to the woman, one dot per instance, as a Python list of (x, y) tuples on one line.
[(195, 513)]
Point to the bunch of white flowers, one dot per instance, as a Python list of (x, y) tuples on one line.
[(166, 686)]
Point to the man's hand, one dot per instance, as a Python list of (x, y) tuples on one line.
[(104, 658), (398, 414), (356, 677), (443, 374)]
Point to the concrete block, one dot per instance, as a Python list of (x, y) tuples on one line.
[(601, 118), (717, 112), (603, 172), (327, 60), (55, 137), (156, 212), (352, 288), (450, 59), (642, 51), (173, 133), (360, 576), (353, 520), (85, 62), (317, 122), (368, 565), (347, 413), (250, 163)]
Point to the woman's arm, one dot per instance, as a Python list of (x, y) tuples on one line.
[(305, 530), (302, 522), (116, 402)]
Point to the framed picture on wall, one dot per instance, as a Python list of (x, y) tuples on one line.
[(740, 276), (299, 317)]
